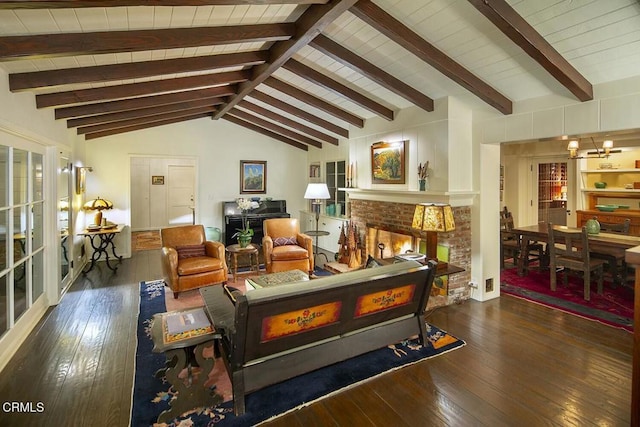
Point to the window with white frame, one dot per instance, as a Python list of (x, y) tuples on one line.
[(21, 233)]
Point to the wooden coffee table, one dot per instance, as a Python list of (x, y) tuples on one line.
[(233, 251)]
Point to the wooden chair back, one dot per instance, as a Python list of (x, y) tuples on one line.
[(569, 248), (620, 228)]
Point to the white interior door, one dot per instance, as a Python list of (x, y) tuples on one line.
[(181, 194)]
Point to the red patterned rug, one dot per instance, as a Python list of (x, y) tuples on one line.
[(614, 307)]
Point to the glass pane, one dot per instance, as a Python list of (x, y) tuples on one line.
[(64, 254), (38, 192), (331, 167), (19, 177), (4, 176), (19, 290), (38, 275), (341, 166), (4, 241), (19, 233), (4, 307), (37, 226)]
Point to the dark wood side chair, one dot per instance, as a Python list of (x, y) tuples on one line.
[(570, 249), (617, 266), (511, 244)]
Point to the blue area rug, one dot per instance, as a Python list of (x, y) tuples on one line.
[(151, 395)]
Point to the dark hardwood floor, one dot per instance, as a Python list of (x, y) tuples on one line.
[(523, 365)]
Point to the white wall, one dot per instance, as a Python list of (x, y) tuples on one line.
[(218, 146), (25, 127), (428, 134)]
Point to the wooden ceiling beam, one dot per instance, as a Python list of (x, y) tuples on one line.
[(297, 112), (524, 35), (137, 89), (146, 125), (314, 101), (75, 4), (331, 85), (134, 70), (405, 37), (339, 53), (265, 132), (71, 44), (142, 102), (142, 112), (287, 122), (309, 25), (140, 120), (274, 127)]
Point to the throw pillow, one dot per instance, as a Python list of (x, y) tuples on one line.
[(281, 241), (190, 251)]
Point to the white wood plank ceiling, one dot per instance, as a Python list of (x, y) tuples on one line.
[(600, 39)]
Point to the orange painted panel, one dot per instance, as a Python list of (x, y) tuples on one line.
[(384, 300), (294, 322)]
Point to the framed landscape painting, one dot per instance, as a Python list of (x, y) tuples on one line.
[(388, 162), (253, 176)]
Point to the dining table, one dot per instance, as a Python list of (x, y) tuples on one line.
[(612, 244)]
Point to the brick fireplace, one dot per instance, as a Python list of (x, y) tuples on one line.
[(396, 218)]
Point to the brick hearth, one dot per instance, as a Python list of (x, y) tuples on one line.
[(397, 217)]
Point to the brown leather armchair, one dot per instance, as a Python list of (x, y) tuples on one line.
[(285, 247), (190, 261)]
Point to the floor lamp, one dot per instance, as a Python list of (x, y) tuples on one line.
[(317, 192)]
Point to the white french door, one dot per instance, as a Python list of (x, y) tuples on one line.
[(553, 190)]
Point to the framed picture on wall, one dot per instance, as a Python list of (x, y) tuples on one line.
[(314, 171), (253, 176), (157, 180), (388, 162)]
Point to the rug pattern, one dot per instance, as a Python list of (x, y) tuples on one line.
[(152, 395), (614, 307)]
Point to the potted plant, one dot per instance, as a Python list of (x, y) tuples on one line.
[(245, 233)]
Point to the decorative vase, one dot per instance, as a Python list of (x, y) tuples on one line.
[(593, 226), (423, 185), (244, 241)]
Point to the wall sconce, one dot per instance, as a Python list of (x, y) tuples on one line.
[(80, 178), (605, 152)]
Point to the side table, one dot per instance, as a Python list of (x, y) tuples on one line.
[(316, 234), (251, 250), (101, 240), (184, 350)]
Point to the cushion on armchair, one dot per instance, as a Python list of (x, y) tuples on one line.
[(190, 251), (283, 241)]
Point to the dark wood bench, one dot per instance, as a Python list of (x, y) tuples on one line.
[(276, 333)]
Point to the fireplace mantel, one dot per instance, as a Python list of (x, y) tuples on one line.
[(453, 198)]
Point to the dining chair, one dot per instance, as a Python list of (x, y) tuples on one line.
[(616, 263), (570, 249), (510, 243)]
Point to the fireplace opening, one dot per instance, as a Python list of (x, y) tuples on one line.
[(385, 243)]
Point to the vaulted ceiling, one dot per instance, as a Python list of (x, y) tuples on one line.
[(305, 71)]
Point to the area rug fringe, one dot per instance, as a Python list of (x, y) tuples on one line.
[(564, 310), (356, 384), (135, 362)]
